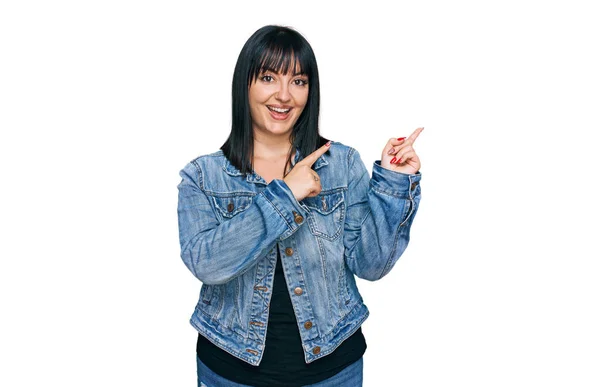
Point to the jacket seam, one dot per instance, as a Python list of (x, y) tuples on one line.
[(351, 254), (342, 338), (351, 250), (388, 263)]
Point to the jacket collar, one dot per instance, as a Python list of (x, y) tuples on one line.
[(254, 177)]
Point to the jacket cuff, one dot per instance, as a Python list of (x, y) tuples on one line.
[(281, 197), (395, 183)]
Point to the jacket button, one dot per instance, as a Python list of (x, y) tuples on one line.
[(297, 217), (316, 350), (413, 185), (289, 251), (230, 207), (298, 291), (308, 325)]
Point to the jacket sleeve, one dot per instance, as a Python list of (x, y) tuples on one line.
[(380, 212), (217, 252)]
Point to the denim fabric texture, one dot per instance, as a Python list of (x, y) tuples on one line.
[(231, 224), (351, 376)]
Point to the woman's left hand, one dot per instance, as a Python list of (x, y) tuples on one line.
[(400, 156)]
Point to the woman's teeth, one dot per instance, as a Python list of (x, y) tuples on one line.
[(278, 110)]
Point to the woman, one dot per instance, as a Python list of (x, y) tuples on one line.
[(277, 223)]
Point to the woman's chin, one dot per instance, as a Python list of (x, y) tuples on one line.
[(279, 129)]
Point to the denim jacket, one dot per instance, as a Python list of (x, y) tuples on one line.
[(231, 224)]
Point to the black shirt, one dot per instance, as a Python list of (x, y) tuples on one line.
[(283, 359)]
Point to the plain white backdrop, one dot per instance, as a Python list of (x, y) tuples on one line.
[(102, 103)]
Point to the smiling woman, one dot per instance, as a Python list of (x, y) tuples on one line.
[(277, 224), (275, 95)]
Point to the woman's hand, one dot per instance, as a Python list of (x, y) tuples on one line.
[(302, 180), (400, 156)]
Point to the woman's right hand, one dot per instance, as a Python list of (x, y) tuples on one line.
[(302, 180)]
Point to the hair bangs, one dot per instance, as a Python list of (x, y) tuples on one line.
[(281, 58)]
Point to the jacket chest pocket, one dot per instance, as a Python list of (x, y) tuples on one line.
[(229, 206), (326, 216)]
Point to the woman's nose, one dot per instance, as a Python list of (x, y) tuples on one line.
[(283, 94)]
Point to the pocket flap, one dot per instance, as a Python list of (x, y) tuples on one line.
[(324, 203), (229, 206)]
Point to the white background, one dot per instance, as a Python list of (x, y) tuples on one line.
[(102, 103)]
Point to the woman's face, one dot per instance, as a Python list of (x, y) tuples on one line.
[(275, 90)]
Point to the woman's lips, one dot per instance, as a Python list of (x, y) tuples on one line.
[(279, 116)]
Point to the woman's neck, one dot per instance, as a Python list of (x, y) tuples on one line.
[(272, 150)]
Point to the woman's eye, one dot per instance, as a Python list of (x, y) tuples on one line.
[(298, 82)]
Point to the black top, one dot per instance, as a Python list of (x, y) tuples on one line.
[(283, 360)]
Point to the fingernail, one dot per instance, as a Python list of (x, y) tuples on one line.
[(328, 143), (393, 160), (401, 138), (391, 151), (399, 161)]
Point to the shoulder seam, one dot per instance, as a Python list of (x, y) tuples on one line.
[(199, 170), (351, 152), (196, 162)]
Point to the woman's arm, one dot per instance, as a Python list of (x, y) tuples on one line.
[(380, 212), (217, 252)]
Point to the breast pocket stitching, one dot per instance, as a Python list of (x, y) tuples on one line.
[(327, 213)]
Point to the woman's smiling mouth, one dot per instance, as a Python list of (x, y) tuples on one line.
[(279, 113)]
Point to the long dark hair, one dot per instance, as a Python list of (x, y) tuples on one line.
[(278, 48)]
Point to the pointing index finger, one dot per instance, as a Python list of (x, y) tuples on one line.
[(311, 158), (415, 134)]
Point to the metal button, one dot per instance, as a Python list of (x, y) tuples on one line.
[(308, 325), (324, 203), (230, 207), (298, 290), (413, 185), (316, 350), (289, 251), (297, 217)]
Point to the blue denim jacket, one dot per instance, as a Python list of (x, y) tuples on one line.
[(231, 224)]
